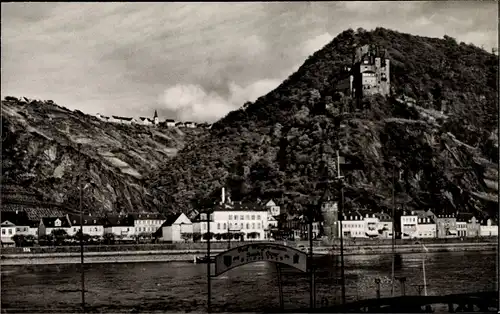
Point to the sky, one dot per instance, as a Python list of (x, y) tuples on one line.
[(196, 61)]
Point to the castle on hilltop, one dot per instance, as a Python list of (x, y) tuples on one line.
[(369, 73)]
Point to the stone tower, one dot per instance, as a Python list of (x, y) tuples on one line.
[(329, 211)]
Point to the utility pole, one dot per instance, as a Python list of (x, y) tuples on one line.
[(82, 271), (342, 274), (209, 309), (393, 233)]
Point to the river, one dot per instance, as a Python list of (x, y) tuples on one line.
[(179, 286)]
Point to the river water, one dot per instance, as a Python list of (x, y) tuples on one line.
[(174, 287)]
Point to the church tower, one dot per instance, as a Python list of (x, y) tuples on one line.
[(155, 118)]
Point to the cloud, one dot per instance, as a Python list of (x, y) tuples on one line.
[(192, 102), (132, 58)]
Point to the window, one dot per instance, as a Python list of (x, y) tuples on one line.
[(253, 225), (258, 225), (10, 231), (18, 229), (242, 217), (253, 217), (230, 217), (258, 217), (74, 229), (3, 231), (241, 225), (218, 225), (248, 225), (203, 216), (224, 226)]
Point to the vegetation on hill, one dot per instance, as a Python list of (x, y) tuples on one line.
[(283, 145), (40, 154)]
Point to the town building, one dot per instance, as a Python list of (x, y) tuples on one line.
[(353, 225), (147, 223), (250, 218), (92, 225), (122, 120), (473, 226), (176, 228), (408, 225), (446, 226), (145, 121), (368, 74), (190, 125), (170, 123), (488, 228), (426, 226), (49, 224), (179, 125), (121, 226), (384, 225), (272, 209), (18, 223)]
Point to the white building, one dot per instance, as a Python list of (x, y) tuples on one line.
[(92, 225), (489, 229), (384, 225), (147, 223), (49, 224), (170, 123), (426, 227), (371, 226), (461, 228), (176, 228), (353, 225), (273, 209), (190, 125), (122, 120), (145, 121), (409, 222), (121, 226), (251, 219)]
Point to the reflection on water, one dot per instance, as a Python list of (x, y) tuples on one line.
[(149, 287)]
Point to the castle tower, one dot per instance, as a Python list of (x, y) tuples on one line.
[(329, 211), (155, 118)]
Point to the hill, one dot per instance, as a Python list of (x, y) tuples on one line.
[(41, 157), (282, 145)]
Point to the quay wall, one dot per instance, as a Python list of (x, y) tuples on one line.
[(187, 255)]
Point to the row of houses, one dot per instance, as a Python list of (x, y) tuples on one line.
[(252, 221), (247, 220), (155, 121)]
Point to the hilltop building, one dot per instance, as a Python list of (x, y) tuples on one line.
[(369, 73)]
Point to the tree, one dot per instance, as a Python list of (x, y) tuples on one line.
[(109, 238), (196, 236), (60, 235), (19, 239), (186, 236)]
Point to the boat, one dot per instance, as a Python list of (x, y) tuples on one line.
[(203, 259)]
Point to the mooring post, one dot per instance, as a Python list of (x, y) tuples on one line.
[(280, 287), (377, 282)]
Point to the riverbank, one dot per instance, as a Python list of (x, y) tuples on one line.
[(188, 255)]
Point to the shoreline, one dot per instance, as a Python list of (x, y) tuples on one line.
[(188, 255)]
